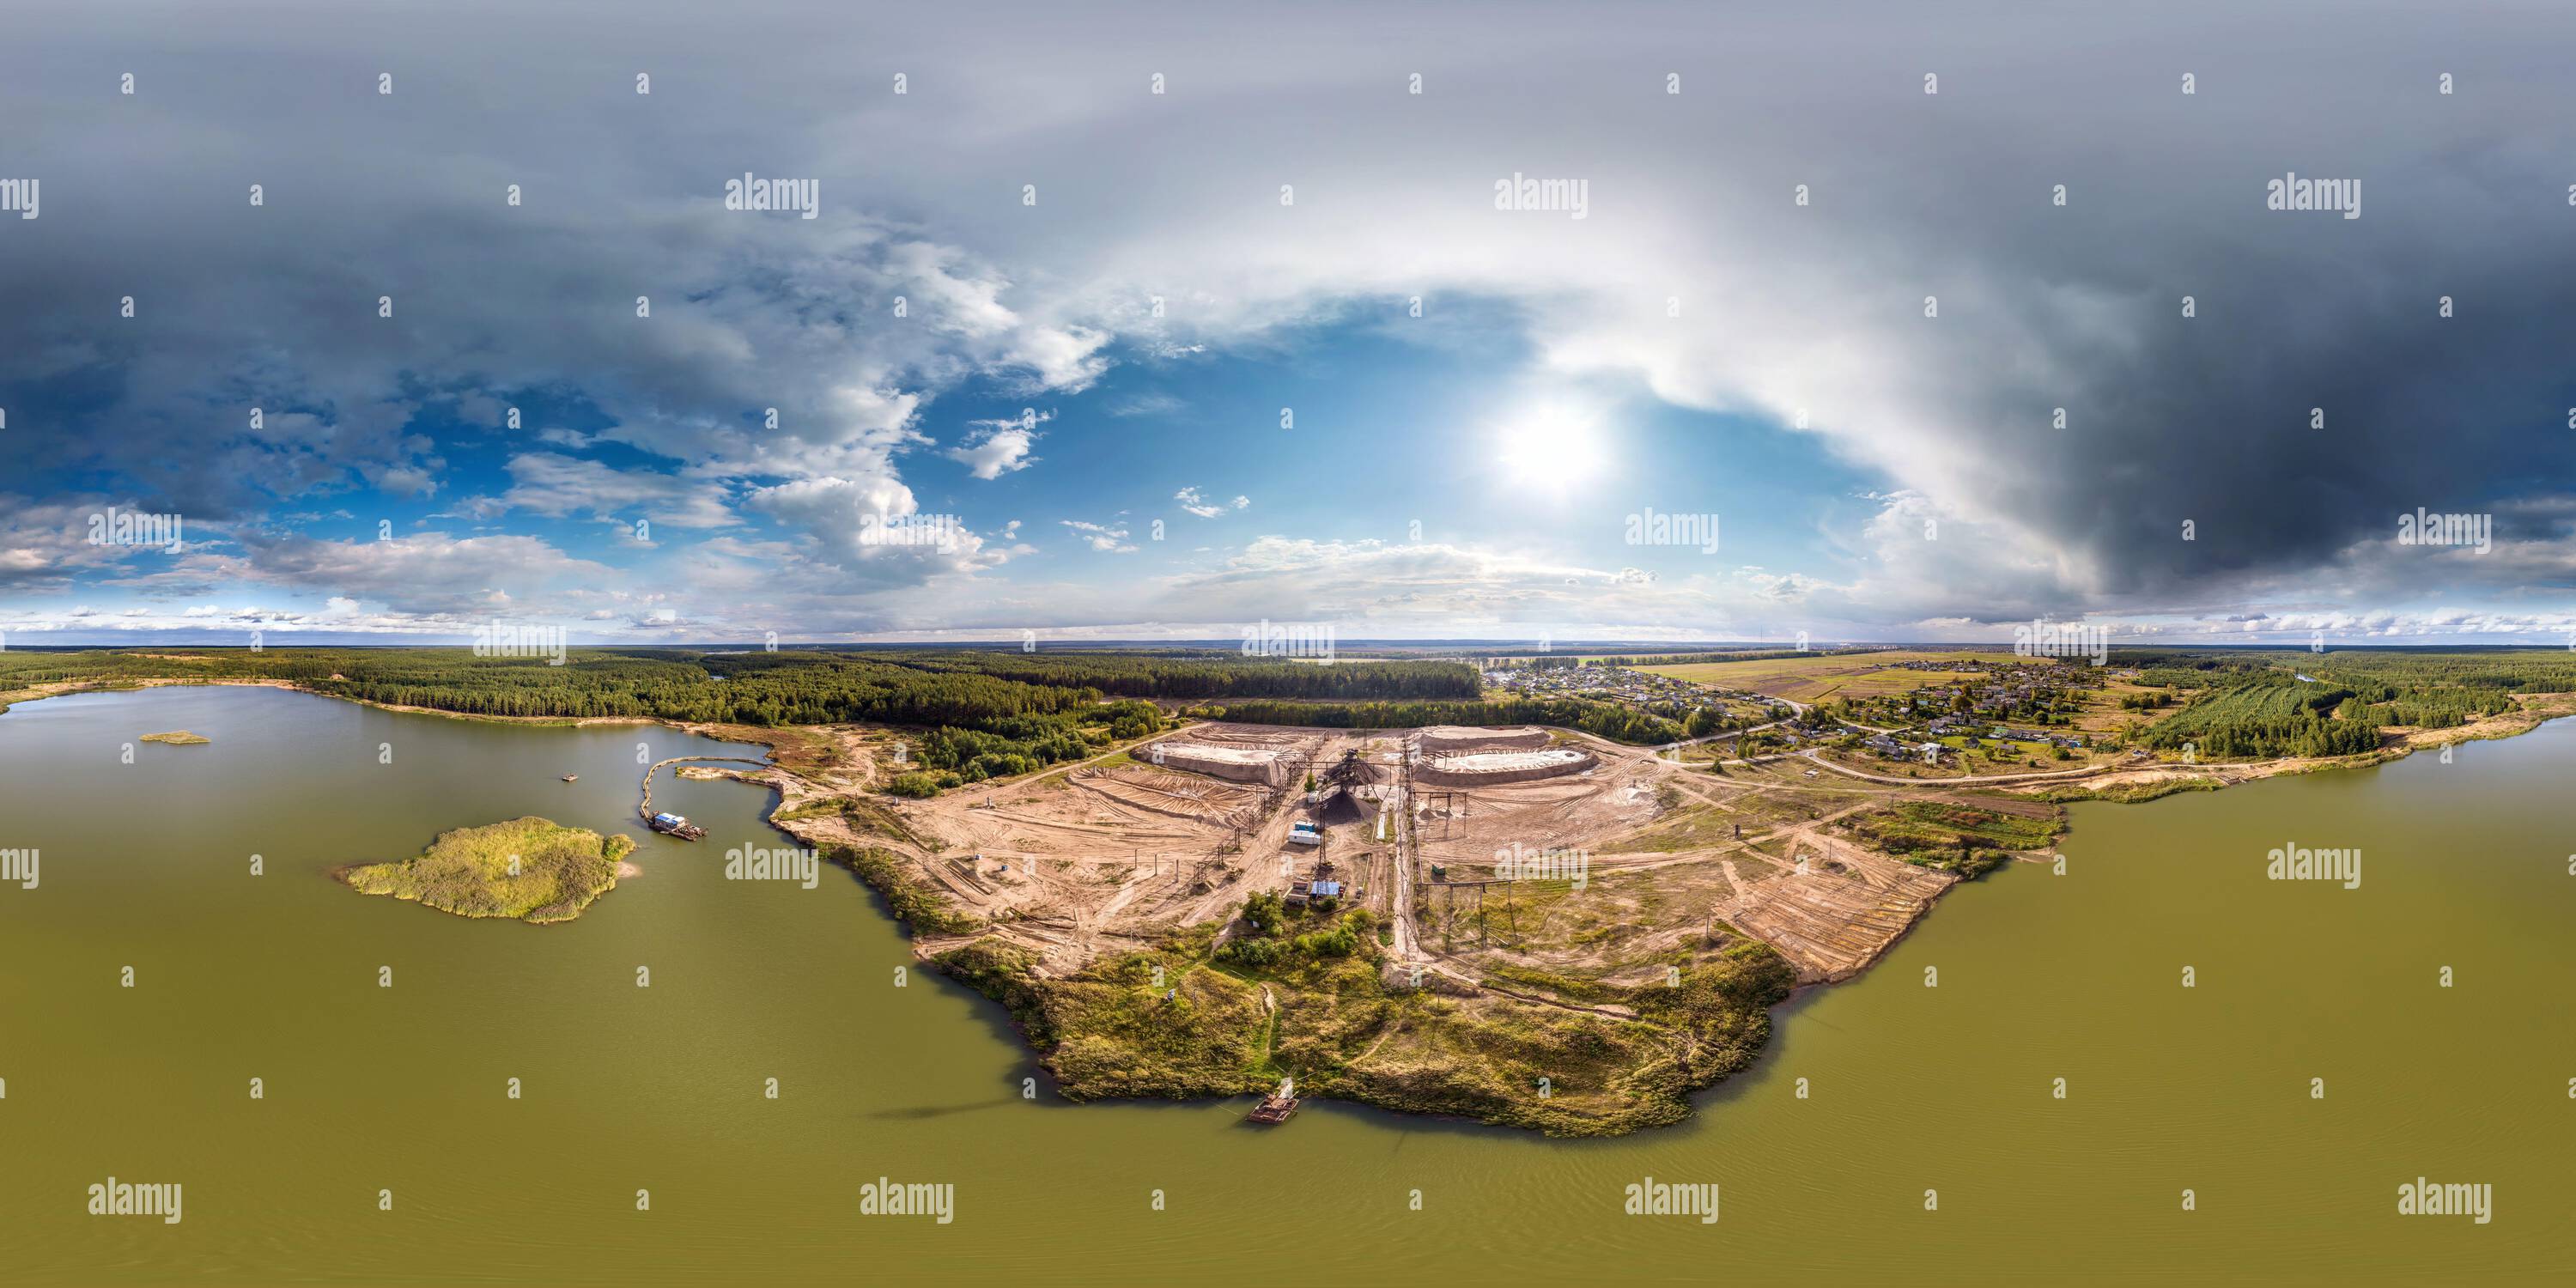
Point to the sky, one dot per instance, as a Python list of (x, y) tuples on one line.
[(1844, 322)]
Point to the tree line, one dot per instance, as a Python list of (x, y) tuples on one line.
[(1211, 675), (2256, 703), (1601, 719)]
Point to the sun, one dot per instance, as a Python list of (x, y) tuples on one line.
[(1553, 451)]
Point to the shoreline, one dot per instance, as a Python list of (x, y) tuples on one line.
[(1004, 971), (2170, 781)]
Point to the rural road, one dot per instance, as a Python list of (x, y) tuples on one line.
[(1731, 733), (1847, 771)]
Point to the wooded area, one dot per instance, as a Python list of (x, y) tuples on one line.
[(986, 713), (2257, 703)]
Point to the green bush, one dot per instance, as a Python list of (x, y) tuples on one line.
[(918, 785)]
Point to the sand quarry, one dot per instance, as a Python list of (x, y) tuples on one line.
[(1543, 850)]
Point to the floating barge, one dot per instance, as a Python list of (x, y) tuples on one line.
[(1275, 1107), (674, 825)]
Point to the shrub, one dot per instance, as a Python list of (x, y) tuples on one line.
[(917, 785)]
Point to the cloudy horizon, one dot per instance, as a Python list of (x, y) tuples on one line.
[(1134, 324)]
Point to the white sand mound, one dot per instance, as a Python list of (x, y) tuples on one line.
[(1441, 740), (1483, 767), (1488, 762), (1238, 764)]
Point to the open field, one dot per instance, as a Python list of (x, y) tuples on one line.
[(1814, 679), (1977, 756)]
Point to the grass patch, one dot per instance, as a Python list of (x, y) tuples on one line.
[(863, 814), (1815, 677), (1564, 986), (1694, 826), (178, 738), (2131, 793), (912, 899), (1561, 1072), (1153, 1024), (1955, 836), (531, 869), (798, 750)]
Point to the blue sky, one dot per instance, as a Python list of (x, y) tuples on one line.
[(1041, 307), (1400, 439)]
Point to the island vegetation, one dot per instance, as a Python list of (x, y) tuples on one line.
[(531, 869), (178, 738)]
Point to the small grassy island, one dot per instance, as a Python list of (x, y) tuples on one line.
[(468, 871), (178, 738)]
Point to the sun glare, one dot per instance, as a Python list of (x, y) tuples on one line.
[(1551, 452)]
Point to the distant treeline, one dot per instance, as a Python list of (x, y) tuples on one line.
[(1602, 719), (1215, 676), (985, 714), (763, 688), (1766, 655)]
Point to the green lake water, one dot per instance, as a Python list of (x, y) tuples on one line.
[(147, 865)]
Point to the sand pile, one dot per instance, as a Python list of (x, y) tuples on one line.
[(1479, 768), (1236, 764)]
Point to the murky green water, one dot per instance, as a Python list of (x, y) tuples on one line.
[(1911, 1088)]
